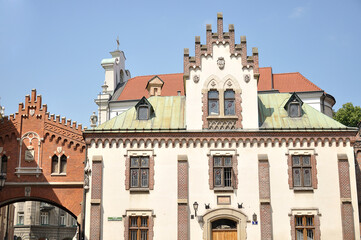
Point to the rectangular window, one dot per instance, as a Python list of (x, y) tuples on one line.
[(304, 227), (44, 218), (62, 220), (213, 102), (139, 172), (222, 170), (229, 100), (301, 171), (4, 163), (20, 218), (294, 110), (143, 112), (138, 228)]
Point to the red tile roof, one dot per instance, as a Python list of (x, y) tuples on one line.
[(136, 87), (284, 82)]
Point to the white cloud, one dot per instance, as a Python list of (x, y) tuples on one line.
[(297, 12)]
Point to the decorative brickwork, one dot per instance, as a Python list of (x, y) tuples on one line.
[(96, 197), (223, 38), (48, 135), (348, 229), (183, 214), (265, 197)]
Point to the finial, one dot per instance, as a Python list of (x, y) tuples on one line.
[(117, 42)]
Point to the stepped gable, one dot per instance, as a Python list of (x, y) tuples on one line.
[(220, 37), (33, 116)]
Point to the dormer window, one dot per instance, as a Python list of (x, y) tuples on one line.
[(294, 106), (213, 102), (294, 110), (144, 109), (143, 112)]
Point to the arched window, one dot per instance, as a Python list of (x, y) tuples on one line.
[(58, 164), (63, 160), (4, 164), (229, 100), (213, 102), (54, 164)]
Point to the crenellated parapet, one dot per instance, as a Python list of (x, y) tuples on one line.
[(224, 38)]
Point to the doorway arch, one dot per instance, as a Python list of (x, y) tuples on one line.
[(225, 215)]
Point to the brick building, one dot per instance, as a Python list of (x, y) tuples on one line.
[(220, 151), (41, 158)]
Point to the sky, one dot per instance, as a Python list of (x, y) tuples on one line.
[(56, 46)]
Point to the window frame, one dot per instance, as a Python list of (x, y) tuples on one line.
[(313, 164), (139, 228), (229, 99), (302, 167), (44, 218), (20, 216), (299, 111), (4, 164), (143, 106), (213, 99), (222, 167), (304, 227), (234, 171), (59, 164), (62, 221), (140, 169)]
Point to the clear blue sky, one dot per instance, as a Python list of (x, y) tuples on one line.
[(56, 46)]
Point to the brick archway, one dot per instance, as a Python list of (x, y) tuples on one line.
[(42, 157)]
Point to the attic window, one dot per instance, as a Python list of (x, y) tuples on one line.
[(144, 109), (143, 112), (294, 110), (294, 106)]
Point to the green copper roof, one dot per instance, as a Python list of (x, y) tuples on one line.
[(169, 113), (273, 115)]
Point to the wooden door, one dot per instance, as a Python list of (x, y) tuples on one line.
[(224, 234)]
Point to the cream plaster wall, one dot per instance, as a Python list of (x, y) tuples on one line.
[(163, 199), (232, 68)]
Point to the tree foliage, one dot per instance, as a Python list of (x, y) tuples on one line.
[(348, 115)]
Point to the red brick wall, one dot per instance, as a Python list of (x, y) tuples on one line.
[(54, 132), (96, 197), (345, 195), (183, 214), (265, 197)]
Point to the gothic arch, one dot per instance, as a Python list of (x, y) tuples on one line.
[(225, 213), (212, 82), (230, 82)]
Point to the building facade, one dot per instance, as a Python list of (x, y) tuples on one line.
[(220, 159), (40, 220)]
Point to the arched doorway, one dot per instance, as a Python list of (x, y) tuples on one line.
[(224, 224), (224, 229)]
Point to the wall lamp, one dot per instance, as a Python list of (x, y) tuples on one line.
[(254, 217), (195, 207)]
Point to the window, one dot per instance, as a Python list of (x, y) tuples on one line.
[(143, 112), (4, 164), (301, 171), (213, 102), (62, 220), (304, 227), (222, 170), (20, 218), (229, 100), (138, 228), (139, 172), (58, 164), (294, 110), (73, 222), (44, 218)]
